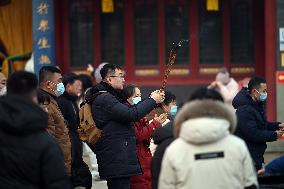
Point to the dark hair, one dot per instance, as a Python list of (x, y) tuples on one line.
[(69, 78), (255, 82), (86, 80), (46, 73), (129, 90), (42, 97), (22, 83), (169, 97), (109, 69), (205, 93)]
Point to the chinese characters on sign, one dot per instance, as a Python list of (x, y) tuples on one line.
[(43, 33), (42, 8), (43, 43), (44, 59), (43, 25)]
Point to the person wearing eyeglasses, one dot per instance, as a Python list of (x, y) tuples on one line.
[(116, 149)]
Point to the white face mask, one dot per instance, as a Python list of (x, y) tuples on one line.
[(136, 100), (3, 91)]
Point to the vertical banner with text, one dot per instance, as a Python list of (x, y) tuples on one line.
[(43, 34)]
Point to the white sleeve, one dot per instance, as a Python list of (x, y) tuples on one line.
[(249, 170), (167, 179)]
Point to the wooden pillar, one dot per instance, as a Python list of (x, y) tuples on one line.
[(270, 55)]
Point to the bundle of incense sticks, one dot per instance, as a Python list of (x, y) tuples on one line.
[(171, 61)]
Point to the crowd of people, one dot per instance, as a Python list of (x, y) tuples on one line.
[(147, 141)]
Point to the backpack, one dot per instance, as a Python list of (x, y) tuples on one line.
[(88, 131)]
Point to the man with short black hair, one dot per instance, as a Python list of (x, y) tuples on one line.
[(253, 126), (67, 102), (116, 149), (30, 157), (50, 79)]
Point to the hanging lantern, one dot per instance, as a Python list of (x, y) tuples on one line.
[(212, 5), (107, 6)]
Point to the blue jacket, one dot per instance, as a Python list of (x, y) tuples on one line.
[(116, 149), (275, 167), (253, 126)]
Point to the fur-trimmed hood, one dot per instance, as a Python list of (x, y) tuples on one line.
[(204, 121)]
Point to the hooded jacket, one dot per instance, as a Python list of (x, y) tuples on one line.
[(253, 126), (205, 154), (30, 158)]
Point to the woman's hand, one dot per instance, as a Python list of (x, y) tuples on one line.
[(162, 118)]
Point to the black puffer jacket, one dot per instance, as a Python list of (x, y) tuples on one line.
[(29, 156), (253, 126), (116, 149), (162, 137)]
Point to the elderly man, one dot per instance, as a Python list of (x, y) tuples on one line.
[(67, 103)]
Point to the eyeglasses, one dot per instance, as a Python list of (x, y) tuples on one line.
[(121, 76)]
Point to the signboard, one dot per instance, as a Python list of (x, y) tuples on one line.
[(280, 78), (281, 39), (43, 34), (107, 6)]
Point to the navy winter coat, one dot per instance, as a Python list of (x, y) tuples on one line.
[(116, 149), (253, 126)]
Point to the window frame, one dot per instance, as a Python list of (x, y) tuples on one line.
[(194, 77)]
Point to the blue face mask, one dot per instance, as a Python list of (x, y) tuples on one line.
[(263, 97), (136, 100), (59, 89), (173, 111)]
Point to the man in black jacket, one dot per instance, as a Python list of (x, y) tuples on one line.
[(253, 126), (116, 149), (30, 157), (80, 175)]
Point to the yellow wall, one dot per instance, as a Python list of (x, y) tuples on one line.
[(16, 29)]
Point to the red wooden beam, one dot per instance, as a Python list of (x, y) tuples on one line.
[(129, 39), (161, 35), (227, 33), (270, 55), (193, 39), (63, 36), (97, 34)]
